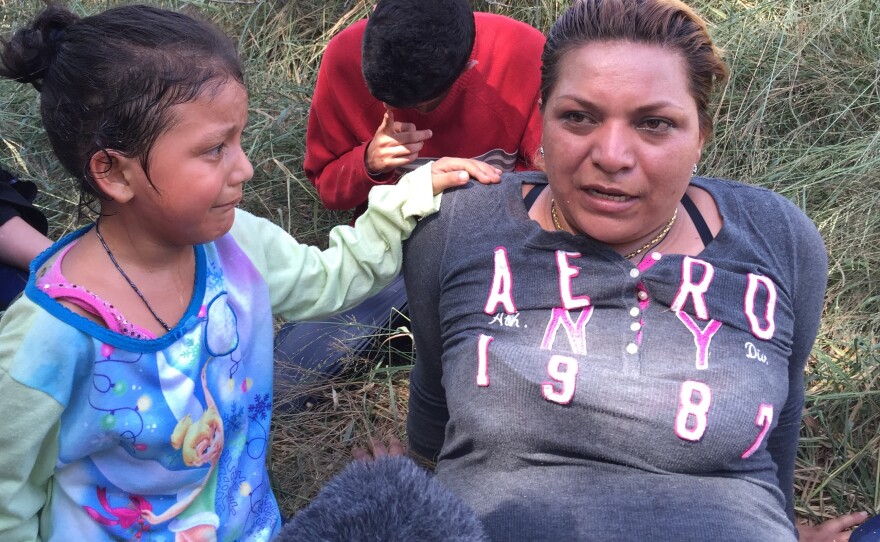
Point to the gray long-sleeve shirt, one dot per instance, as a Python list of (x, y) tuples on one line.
[(570, 395)]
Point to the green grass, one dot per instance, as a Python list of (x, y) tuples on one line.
[(800, 115)]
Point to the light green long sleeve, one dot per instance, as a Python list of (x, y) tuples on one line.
[(306, 282)]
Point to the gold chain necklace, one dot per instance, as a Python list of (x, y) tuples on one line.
[(652, 243), (554, 216)]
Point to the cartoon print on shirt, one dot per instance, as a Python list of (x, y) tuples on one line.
[(121, 413), (200, 442), (126, 516), (199, 435)]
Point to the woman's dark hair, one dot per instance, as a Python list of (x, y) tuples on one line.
[(667, 23), (108, 82)]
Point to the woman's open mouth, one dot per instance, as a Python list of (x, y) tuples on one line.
[(606, 196)]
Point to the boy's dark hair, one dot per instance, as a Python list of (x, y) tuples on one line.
[(109, 81), (390, 499), (413, 50)]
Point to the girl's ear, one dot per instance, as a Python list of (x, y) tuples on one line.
[(114, 174)]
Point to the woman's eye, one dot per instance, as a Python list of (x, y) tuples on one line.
[(656, 125), (576, 118), (216, 151)]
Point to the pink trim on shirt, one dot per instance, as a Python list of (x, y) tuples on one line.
[(53, 283)]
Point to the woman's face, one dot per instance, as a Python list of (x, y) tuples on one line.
[(621, 137)]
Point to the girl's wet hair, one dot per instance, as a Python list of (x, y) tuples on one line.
[(666, 23), (109, 81)]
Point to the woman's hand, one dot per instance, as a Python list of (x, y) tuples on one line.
[(450, 172), (833, 530)]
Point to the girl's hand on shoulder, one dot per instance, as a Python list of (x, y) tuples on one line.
[(833, 530), (451, 172)]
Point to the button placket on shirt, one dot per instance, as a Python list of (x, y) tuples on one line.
[(642, 300)]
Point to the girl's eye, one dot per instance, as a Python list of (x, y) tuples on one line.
[(655, 125), (216, 151)]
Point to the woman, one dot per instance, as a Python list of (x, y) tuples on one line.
[(614, 350)]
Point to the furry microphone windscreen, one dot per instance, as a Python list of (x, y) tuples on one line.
[(390, 499)]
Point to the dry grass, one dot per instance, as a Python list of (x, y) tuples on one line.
[(311, 445)]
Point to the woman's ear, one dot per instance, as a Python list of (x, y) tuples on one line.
[(113, 174)]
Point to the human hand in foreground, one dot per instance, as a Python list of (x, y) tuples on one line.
[(376, 449), (450, 172), (832, 530), (395, 144)]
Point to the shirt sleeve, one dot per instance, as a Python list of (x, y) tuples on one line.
[(7, 212), (306, 282), (808, 288), (37, 373), (340, 127), (342, 181), (16, 199), (428, 413)]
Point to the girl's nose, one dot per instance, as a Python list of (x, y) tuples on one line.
[(244, 169)]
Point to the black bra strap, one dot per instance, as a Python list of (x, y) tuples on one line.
[(533, 194), (698, 220)]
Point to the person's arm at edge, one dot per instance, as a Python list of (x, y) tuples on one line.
[(835, 529), (808, 287), (427, 412), (20, 243), (29, 438)]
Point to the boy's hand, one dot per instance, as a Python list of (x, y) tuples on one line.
[(450, 172), (395, 144)]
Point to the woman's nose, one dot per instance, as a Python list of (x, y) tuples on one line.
[(613, 147)]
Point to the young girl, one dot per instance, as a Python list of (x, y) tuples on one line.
[(136, 382)]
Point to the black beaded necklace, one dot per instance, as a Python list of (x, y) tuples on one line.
[(130, 282)]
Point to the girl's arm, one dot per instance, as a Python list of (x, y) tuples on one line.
[(306, 282), (37, 371)]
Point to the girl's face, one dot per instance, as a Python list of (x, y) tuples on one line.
[(621, 136), (197, 168)]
